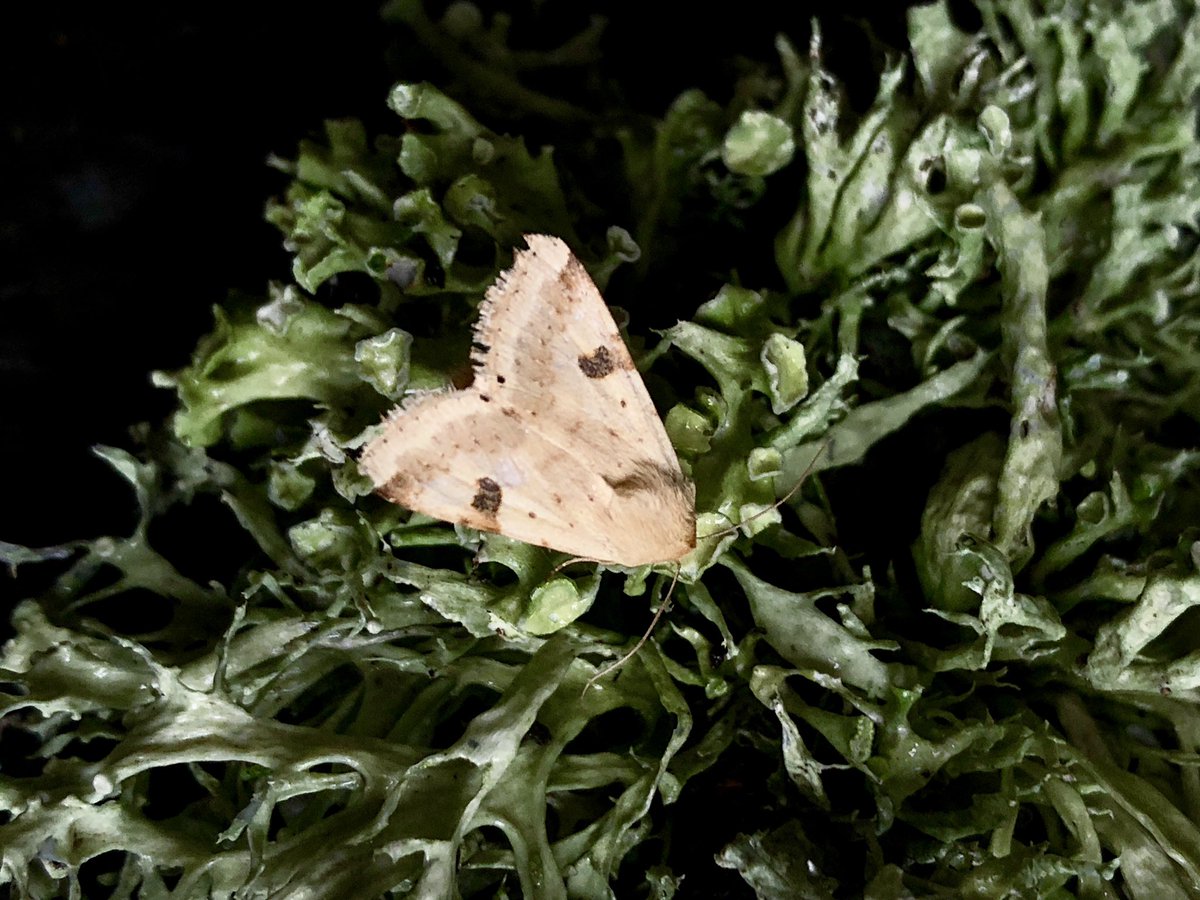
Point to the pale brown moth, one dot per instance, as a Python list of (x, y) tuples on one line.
[(556, 442)]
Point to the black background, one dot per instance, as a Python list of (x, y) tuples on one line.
[(134, 155)]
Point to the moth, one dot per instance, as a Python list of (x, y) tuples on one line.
[(556, 442)]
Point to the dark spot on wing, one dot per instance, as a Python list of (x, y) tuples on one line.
[(487, 498), (598, 363), (397, 488)]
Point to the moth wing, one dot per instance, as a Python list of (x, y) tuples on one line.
[(545, 330), (556, 443), (447, 459)]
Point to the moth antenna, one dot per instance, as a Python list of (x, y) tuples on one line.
[(778, 503), (572, 561), (662, 609)]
